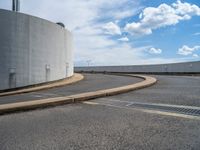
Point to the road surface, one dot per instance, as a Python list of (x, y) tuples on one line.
[(97, 125), (91, 82)]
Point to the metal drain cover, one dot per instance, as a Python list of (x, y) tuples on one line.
[(179, 109), (168, 108)]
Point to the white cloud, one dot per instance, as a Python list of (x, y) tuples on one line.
[(197, 33), (135, 28), (112, 29), (120, 9), (186, 8), (83, 18), (152, 18), (119, 54), (186, 50), (155, 50), (124, 39), (195, 55)]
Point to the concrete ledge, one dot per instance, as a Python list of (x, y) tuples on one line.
[(21, 106), (88, 96), (75, 78), (8, 108), (148, 81)]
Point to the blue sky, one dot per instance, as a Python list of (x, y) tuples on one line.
[(125, 32)]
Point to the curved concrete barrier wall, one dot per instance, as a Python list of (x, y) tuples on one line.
[(188, 67), (32, 50)]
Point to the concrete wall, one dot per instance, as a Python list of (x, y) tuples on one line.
[(188, 67), (32, 50)]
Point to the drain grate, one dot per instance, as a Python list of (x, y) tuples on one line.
[(167, 108)]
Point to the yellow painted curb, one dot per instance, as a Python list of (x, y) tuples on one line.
[(8, 108), (75, 78)]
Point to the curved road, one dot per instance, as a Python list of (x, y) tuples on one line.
[(178, 90), (92, 125), (91, 82)]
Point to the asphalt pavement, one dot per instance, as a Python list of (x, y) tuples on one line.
[(91, 82), (177, 90), (92, 125)]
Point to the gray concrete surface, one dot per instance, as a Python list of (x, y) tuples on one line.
[(83, 126), (33, 50), (173, 68), (180, 90), (89, 126), (91, 82)]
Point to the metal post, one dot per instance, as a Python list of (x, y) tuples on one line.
[(13, 5), (16, 5)]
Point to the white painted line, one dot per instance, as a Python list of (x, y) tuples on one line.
[(169, 105), (157, 104), (173, 114), (37, 96), (130, 104), (90, 103)]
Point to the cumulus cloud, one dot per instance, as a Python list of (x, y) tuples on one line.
[(137, 29), (124, 39), (195, 55), (152, 18), (155, 50), (186, 8), (112, 29), (84, 19), (186, 50)]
